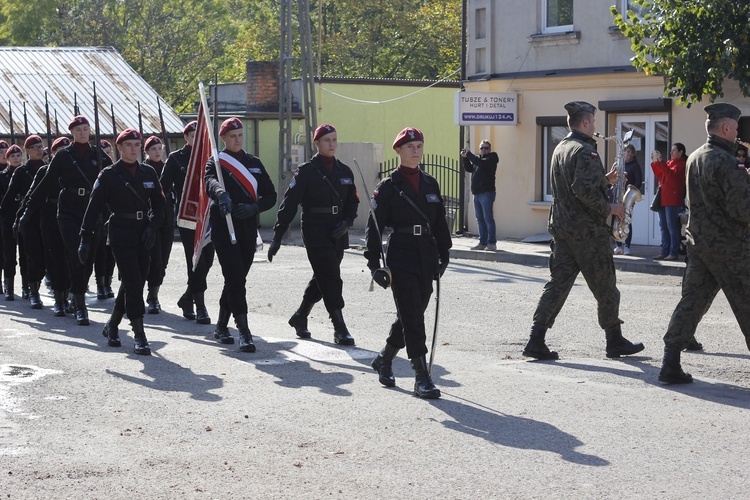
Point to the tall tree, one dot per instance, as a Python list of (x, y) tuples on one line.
[(694, 44)]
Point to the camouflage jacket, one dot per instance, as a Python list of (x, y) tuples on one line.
[(580, 205), (718, 193)]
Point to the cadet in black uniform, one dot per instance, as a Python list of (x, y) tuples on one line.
[(165, 234), (247, 191), (131, 191), (172, 181), (325, 188), (3, 186), (73, 171), (8, 207), (409, 202)]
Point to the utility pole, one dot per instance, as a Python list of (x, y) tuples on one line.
[(308, 79)]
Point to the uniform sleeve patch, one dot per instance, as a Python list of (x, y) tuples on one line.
[(294, 182), (346, 181), (594, 154), (148, 185), (433, 198), (254, 170)]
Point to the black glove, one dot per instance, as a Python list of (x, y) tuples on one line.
[(148, 238), (225, 203), (442, 267), (340, 230), (273, 248), (382, 277), (242, 211), (84, 250)]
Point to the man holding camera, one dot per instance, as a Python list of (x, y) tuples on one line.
[(483, 169)]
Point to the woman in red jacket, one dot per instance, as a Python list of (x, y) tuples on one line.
[(671, 177)]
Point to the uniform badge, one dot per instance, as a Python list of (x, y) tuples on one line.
[(148, 185), (433, 198), (254, 170), (346, 181), (374, 203), (293, 183), (594, 154)]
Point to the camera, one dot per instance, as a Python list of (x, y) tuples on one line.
[(463, 151)]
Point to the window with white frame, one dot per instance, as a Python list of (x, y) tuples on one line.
[(551, 137), (633, 5), (557, 16)]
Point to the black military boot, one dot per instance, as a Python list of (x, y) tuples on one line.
[(423, 386), (535, 347), (24, 288), (186, 304), (59, 308), (694, 345), (152, 300), (70, 307), (246, 338), (111, 330), (201, 313), (101, 292), (34, 299), (617, 345), (341, 334), (141, 342), (108, 287), (221, 333), (671, 370), (8, 288), (298, 321), (383, 364), (82, 314)]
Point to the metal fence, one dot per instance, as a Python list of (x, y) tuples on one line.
[(447, 171)]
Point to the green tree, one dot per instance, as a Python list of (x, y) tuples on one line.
[(694, 44)]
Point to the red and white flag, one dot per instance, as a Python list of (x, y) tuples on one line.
[(195, 203)]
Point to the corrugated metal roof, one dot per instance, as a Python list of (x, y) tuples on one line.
[(67, 74)]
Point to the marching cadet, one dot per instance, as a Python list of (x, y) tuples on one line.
[(8, 207), (173, 181), (132, 193), (325, 188), (247, 191), (72, 171), (3, 186), (718, 238), (165, 234), (409, 202)]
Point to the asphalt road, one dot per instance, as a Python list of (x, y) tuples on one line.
[(308, 419)]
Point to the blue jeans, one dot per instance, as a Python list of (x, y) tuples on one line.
[(669, 222), (485, 220)]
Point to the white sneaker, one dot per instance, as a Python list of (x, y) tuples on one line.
[(492, 247), (618, 250), (626, 251), (478, 247)]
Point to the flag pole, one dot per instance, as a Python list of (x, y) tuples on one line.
[(215, 154)]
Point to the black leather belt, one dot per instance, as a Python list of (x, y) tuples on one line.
[(129, 215), (78, 191), (322, 210), (415, 230)]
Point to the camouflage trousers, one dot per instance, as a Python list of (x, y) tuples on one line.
[(704, 277), (593, 259)]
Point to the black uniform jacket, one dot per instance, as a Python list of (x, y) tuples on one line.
[(309, 188), (130, 213), (173, 174), (50, 208), (73, 177), (419, 254), (19, 185), (244, 229), (169, 197), (5, 176)]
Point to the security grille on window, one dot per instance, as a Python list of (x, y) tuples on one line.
[(558, 16)]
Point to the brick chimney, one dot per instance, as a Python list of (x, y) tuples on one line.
[(262, 86)]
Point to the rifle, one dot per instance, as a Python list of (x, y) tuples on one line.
[(57, 125), (96, 132), (163, 129), (76, 111), (114, 131), (12, 131), (46, 112), (25, 120), (140, 129)]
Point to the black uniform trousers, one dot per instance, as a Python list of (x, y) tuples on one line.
[(54, 247), (196, 279), (235, 263), (79, 273), (160, 256), (10, 244), (34, 250), (326, 282), (411, 293), (132, 265), (104, 260)]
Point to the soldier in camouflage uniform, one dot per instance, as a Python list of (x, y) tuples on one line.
[(718, 238), (578, 223)]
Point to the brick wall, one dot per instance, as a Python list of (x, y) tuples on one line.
[(262, 86)]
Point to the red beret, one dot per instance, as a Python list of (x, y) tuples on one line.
[(151, 141), (60, 142), (14, 149), (78, 120), (409, 134), (233, 123), (129, 134), (32, 141), (322, 130), (104, 144), (4, 145), (190, 127)]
